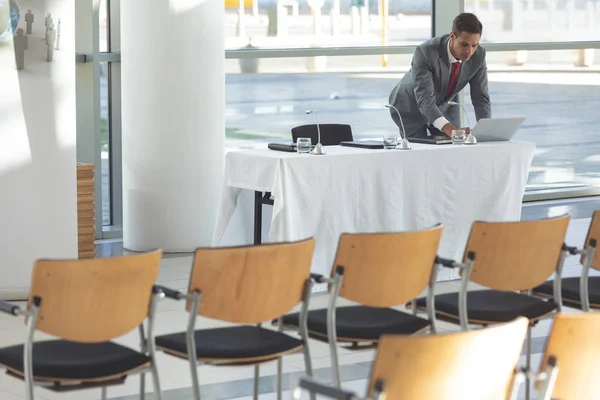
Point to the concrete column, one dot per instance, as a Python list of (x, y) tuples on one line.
[(584, 57), (570, 14), (364, 20), (317, 21), (590, 15), (334, 20), (516, 58), (552, 14), (354, 20), (173, 102)]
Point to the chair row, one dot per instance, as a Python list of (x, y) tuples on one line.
[(87, 303)]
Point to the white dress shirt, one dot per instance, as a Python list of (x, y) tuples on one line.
[(441, 121)]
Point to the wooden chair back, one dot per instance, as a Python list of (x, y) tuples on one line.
[(514, 256), (251, 284), (94, 300), (574, 342), (594, 233), (387, 269), (472, 365)]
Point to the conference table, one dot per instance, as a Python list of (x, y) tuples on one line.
[(351, 190)]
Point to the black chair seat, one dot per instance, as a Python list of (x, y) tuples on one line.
[(232, 343), (491, 306), (59, 360), (360, 323), (570, 291)]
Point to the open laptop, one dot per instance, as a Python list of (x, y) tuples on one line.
[(496, 129)]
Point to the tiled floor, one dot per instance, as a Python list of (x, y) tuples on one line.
[(236, 382)]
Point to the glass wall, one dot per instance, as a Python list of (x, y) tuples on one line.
[(352, 90), (510, 21), (326, 23), (559, 101), (557, 90), (105, 137)]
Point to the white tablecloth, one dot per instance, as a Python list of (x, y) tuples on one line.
[(360, 190)]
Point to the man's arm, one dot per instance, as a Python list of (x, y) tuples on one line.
[(479, 92), (423, 88), (425, 94)]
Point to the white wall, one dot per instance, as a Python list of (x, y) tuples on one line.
[(38, 209)]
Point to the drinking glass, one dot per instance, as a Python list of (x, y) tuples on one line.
[(303, 145), (459, 136), (390, 141)]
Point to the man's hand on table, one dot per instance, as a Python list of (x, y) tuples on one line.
[(448, 128)]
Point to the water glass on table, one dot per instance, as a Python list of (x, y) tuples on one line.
[(303, 145), (459, 136), (390, 141)]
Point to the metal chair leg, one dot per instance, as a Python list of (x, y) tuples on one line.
[(308, 366), (528, 364), (142, 386), (334, 362), (256, 378), (191, 345), (279, 377), (194, 372), (279, 364), (104, 393), (156, 382)]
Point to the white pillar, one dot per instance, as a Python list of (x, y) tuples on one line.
[(569, 14), (173, 102), (552, 14), (354, 20), (364, 20), (590, 14), (38, 183), (334, 20)]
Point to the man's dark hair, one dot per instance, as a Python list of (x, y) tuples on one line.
[(466, 22)]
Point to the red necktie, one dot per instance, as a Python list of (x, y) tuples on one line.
[(453, 78)]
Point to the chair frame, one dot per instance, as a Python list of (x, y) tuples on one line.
[(588, 254), (335, 284), (32, 314), (195, 297), (467, 267)]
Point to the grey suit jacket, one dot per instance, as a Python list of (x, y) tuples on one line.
[(420, 97)]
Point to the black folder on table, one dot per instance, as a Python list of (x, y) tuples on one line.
[(289, 147), (440, 139), (364, 144)]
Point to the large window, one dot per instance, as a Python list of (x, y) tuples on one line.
[(559, 102), (537, 69), (537, 20), (326, 23)]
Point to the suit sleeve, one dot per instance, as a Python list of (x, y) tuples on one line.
[(480, 96), (423, 87)]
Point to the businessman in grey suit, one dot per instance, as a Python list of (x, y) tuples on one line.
[(441, 67)]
